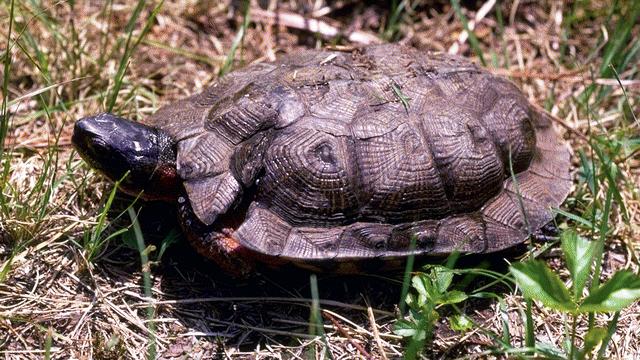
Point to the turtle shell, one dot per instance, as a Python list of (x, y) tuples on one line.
[(382, 151)]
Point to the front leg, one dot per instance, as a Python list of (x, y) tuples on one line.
[(216, 241)]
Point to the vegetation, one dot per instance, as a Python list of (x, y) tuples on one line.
[(85, 271)]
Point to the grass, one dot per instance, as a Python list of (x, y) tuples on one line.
[(237, 40), (130, 47), (79, 278), (146, 279)]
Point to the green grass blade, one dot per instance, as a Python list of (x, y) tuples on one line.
[(146, 282), (392, 26), (473, 40), (504, 317), (129, 48), (613, 51), (126, 54), (611, 329), (4, 115), (619, 51), (578, 219), (237, 41), (626, 97), (406, 280), (48, 342), (529, 335), (599, 252), (95, 240), (612, 174), (521, 208), (316, 327)]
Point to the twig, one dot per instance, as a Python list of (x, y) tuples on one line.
[(560, 122), (346, 334), (526, 74), (464, 35), (374, 329), (313, 25), (131, 320)]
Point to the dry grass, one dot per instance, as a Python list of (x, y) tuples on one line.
[(96, 308)]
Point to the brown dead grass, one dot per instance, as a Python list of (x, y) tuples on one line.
[(97, 310)]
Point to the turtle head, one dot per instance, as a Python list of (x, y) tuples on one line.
[(115, 146)]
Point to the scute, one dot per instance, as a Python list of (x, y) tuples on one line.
[(400, 178), (308, 177), (346, 156)]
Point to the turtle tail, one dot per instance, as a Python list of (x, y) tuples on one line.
[(142, 157)]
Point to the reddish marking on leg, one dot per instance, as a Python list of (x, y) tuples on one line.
[(226, 252)]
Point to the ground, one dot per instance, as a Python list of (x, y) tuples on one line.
[(77, 278)]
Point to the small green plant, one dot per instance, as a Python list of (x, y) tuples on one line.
[(538, 282), (154, 252), (432, 291)]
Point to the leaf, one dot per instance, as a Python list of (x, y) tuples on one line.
[(578, 252), (579, 219), (453, 297), (172, 238), (442, 277), (423, 285), (538, 282), (460, 323), (148, 250), (411, 301), (405, 328), (619, 292), (593, 338)]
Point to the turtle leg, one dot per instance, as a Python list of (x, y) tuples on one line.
[(215, 241)]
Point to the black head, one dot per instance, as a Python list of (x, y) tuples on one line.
[(115, 146)]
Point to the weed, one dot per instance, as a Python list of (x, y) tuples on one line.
[(537, 281), (95, 240), (431, 293)]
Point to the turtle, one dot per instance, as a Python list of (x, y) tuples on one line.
[(329, 159)]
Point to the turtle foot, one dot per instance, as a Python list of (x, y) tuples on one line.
[(216, 241)]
